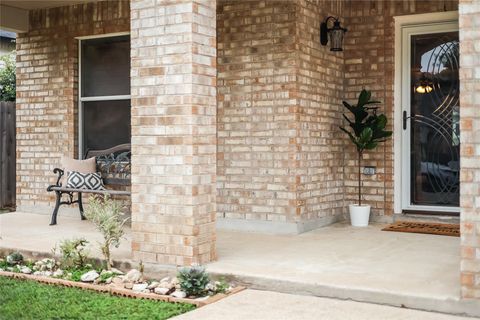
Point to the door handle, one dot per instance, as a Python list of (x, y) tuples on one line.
[(405, 118)]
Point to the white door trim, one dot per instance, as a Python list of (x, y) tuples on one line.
[(400, 23)]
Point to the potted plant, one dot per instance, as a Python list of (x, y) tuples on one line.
[(366, 130)]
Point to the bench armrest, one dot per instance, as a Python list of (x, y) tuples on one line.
[(60, 173)]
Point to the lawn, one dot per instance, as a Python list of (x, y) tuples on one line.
[(23, 299)]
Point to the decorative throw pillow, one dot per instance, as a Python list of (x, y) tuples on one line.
[(85, 181), (82, 166)]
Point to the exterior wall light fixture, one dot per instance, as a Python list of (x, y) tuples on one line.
[(334, 34), (424, 85)]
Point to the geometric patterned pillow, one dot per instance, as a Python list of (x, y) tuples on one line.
[(85, 181)]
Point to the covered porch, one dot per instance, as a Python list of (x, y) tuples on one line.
[(233, 112), (363, 264)]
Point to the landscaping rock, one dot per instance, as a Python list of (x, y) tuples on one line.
[(1, 270), (116, 271), (58, 273), (46, 264), (133, 276), (50, 263), (162, 291), (139, 287), (211, 287), (179, 294), (108, 280), (128, 285), (25, 270), (48, 273), (153, 285), (90, 276), (117, 280), (166, 279)]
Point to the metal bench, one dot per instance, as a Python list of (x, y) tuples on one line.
[(114, 165)]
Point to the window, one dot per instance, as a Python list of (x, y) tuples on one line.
[(104, 97)]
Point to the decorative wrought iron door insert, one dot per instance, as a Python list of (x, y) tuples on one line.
[(434, 116)]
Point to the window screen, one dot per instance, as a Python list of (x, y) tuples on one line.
[(106, 66), (104, 92), (106, 124)]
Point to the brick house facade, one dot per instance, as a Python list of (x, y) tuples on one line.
[(235, 115)]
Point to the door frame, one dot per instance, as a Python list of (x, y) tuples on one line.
[(401, 183)]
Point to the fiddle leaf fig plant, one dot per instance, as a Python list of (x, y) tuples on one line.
[(366, 128)]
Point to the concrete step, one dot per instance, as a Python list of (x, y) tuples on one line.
[(470, 308)]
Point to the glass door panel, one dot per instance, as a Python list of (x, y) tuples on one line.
[(434, 116)]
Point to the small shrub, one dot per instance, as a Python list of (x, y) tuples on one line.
[(221, 286), (106, 214), (14, 258), (193, 280), (74, 252), (104, 276), (75, 274)]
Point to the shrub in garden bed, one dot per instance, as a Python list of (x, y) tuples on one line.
[(191, 282)]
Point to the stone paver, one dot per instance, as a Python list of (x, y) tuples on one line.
[(265, 305)]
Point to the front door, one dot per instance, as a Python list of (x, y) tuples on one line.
[(430, 118)]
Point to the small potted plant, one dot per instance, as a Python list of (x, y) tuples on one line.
[(366, 130)]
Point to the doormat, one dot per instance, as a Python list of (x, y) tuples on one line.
[(441, 229)]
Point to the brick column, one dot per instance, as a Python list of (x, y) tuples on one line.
[(469, 11), (173, 81)]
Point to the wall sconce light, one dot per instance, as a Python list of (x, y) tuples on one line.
[(424, 85), (334, 34)]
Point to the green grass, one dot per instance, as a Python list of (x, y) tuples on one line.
[(23, 299)]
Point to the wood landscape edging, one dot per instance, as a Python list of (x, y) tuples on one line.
[(118, 291)]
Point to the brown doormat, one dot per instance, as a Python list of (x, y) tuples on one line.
[(441, 229)]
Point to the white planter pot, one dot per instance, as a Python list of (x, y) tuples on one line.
[(359, 215)]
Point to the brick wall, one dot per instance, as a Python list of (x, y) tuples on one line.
[(319, 142), (369, 63), (173, 85), (47, 64), (470, 147), (279, 153), (256, 102)]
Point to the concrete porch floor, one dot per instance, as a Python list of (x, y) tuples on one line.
[(363, 264)]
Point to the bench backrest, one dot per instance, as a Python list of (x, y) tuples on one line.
[(114, 164)]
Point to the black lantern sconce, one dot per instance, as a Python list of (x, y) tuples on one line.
[(334, 34), (424, 84)]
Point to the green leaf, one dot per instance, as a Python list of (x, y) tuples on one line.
[(366, 136), (381, 121), (371, 145), (348, 120), (367, 128), (363, 98), (348, 106), (350, 135)]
